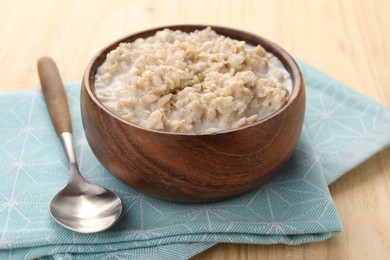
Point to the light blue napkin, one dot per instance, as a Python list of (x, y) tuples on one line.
[(341, 129)]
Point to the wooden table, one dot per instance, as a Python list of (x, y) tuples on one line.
[(349, 40)]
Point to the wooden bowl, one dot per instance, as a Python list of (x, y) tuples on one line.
[(188, 167)]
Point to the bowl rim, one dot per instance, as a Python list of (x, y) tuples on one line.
[(286, 59)]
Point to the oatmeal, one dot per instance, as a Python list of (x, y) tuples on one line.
[(199, 82)]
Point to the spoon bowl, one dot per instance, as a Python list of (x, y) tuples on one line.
[(80, 206), (88, 209)]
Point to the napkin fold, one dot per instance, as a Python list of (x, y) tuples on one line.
[(341, 129)]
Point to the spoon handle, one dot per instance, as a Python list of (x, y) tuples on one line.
[(54, 93)]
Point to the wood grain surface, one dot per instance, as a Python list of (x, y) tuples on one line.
[(347, 39)]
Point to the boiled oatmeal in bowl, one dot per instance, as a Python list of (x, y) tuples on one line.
[(188, 113), (197, 82)]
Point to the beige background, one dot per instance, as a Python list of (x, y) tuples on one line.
[(349, 40)]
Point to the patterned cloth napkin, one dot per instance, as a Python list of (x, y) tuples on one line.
[(341, 129)]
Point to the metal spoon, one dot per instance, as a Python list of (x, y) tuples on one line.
[(80, 206)]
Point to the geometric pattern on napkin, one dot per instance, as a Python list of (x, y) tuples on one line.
[(33, 167), (345, 127), (294, 207)]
